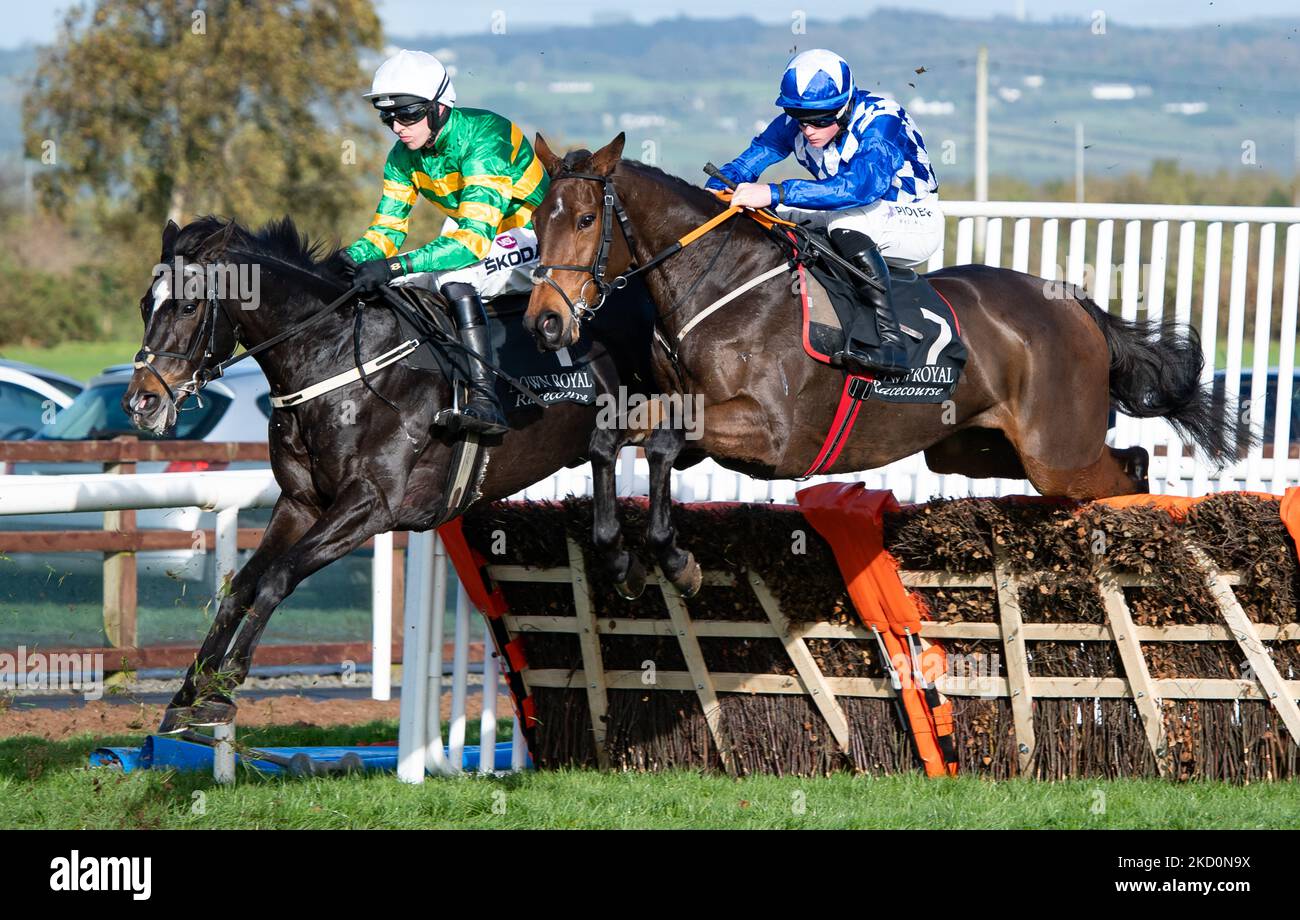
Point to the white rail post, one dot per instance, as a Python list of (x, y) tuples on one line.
[(1182, 316), (487, 723), (381, 605), (227, 558), (435, 755), (1153, 300), (1236, 336), (1259, 367), (459, 681), (518, 747), (223, 754), (415, 658), (1127, 428), (1209, 328), (1286, 361)]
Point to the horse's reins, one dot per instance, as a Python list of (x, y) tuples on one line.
[(202, 375), (581, 308), (808, 240), (416, 318)]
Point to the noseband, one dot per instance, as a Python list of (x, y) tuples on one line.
[(204, 337)]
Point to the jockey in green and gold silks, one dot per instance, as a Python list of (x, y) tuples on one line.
[(479, 170)]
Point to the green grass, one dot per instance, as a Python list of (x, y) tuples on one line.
[(81, 360), (46, 784)]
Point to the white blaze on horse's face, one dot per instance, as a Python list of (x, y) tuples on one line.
[(162, 292), (189, 286)]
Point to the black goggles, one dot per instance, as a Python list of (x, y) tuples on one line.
[(406, 115), (817, 119)]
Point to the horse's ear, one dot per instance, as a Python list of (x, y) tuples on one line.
[(605, 160), (215, 246), (170, 232), (550, 162)]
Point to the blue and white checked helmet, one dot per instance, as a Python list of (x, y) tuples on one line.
[(816, 79)]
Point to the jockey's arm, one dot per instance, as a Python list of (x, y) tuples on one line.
[(770, 147), (389, 226), (486, 194), (871, 172)]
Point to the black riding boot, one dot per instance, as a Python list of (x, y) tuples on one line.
[(890, 357), (482, 410)]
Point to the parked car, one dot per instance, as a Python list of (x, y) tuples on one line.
[(28, 395), (235, 407)]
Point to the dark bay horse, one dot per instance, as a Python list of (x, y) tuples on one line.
[(348, 466), (1032, 402)]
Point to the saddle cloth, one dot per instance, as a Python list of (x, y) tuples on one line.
[(555, 377), (936, 352)]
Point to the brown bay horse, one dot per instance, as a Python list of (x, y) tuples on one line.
[(1032, 402)]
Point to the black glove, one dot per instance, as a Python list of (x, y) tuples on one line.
[(370, 276), (347, 263)]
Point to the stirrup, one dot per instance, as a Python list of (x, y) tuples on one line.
[(462, 417), (455, 420), (470, 420)]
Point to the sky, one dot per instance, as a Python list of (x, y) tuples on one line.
[(37, 22)]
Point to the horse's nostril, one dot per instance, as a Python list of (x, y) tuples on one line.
[(550, 325)]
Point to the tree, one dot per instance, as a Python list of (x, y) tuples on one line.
[(179, 107)]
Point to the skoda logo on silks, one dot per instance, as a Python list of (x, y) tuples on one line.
[(510, 260)]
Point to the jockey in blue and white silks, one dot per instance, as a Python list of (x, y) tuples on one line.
[(873, 186)]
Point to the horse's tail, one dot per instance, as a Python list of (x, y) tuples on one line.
[(1155, 371)]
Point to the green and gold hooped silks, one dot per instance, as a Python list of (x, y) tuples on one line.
[(480, 171)]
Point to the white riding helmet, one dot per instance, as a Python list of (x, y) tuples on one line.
[(411, 73)]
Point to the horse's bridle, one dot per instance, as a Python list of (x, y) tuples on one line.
[(580, 308), (204, 337), (613, 207)]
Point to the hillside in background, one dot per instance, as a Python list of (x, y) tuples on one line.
[(687, 91)]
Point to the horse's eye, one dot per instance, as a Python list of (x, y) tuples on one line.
[(586, 221), (189, 309)]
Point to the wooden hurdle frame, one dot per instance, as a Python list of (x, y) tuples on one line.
[(1018, 686)]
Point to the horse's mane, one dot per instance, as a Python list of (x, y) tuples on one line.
[(579, 161), (692, 193), (278, 240)]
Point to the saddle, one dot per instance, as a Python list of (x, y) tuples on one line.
[(621, 330), (829, 301)]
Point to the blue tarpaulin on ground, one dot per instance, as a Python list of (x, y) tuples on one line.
[(164, 753)]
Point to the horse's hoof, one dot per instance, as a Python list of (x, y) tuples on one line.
[(176, 719), (213, 712), (633, 582), (689, 579)]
